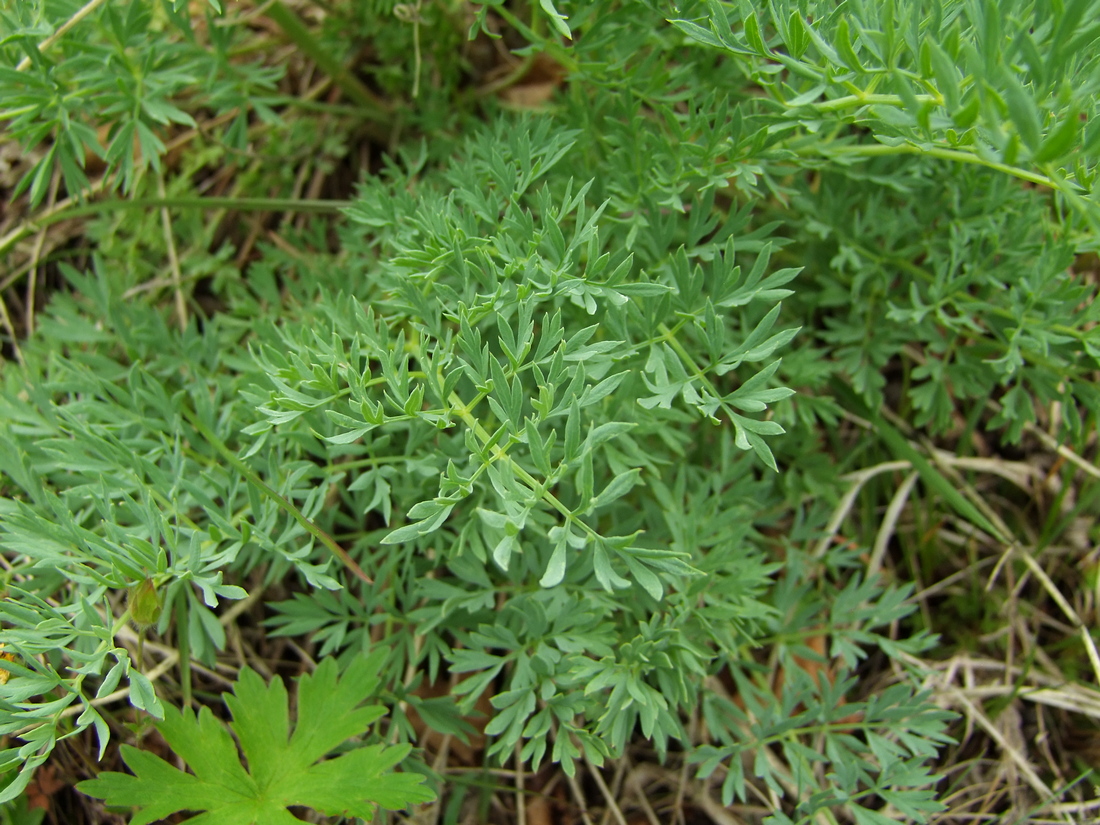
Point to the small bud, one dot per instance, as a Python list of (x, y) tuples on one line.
[(146, 603)]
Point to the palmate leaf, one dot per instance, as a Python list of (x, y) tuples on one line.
[(283, 767)]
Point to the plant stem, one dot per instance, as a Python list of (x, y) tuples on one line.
[(881, 149), (183, 645), (65, 210), (352, 86), (173, 256), (274, 495)]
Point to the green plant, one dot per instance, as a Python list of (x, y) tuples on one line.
[(531, 431), (1005, 87), (17, 812), (281, 764), (127, 80)]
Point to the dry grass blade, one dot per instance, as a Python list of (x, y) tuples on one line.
[(1013, 753), (844, 506), (889, 523), (173, 256), (1056, 594), (609, 798), (578, 796)]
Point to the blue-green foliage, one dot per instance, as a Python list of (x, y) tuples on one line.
[(542, 394), (122, 73)]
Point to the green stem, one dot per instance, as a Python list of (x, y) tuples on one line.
[(307, 105), (78, 682), (525, 65), (880, 150), (53, 216), (501, 454), (353, 87), (239, 204), (689, 363), (856, 100), (371, 461), (274, 495), (551, 47), (183, 643)]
